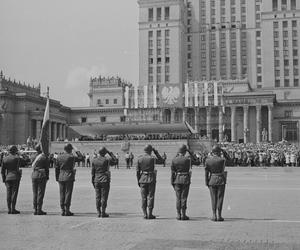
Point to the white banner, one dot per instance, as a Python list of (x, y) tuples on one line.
[(205, 94), (136, 102), (145, 96), (216, 103), (186, 94), (154, 97), (126, 97), (196, 94)]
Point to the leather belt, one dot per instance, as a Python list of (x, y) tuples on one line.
[(145, 172)]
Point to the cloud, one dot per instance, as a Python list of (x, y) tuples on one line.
[(80, 76)]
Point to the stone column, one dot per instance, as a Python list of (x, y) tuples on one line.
[(197, 119), (54, 131), (246, 130), (50, 130), (65, 131), (258, 123), (270, 120), (184, 114), (172, 115), (221, 123), (208, 122), (233, 128)]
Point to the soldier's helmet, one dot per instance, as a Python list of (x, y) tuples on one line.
[(38, 148), (13, 149), (102, 151), (216, 150), (68, 147), (148, 148), (182, 149)]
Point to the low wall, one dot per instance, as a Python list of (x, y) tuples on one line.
[(170, 147)]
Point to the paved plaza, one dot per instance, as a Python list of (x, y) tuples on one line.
[(261, 211)]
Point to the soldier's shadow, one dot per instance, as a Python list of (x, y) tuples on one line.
[(247, 219)]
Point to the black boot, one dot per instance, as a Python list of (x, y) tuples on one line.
[(68, 212), (214, 217), (40, 211), (99, 212), (63, 211), (103, 214), (151, 216), (184, 216), (8, 207), (178, 214), (35, 211), (14, 210), (145, 213), (220, 218)]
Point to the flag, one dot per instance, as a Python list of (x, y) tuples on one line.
[(45, 138), (205, 94), (216, 94), (186, 94), (190, 129)]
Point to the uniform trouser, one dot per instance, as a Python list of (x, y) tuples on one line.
[(38, 188), (217, 196), (148, 192), (182, 192), (12, 189), (102, 191), (65, 192)]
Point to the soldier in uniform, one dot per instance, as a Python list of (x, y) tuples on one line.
[(40, 176), (146, 177), (215, 179), (65, 176), (101, 179), (11, 176), (181, 179)]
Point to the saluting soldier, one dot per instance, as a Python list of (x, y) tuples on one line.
[(215, 179), (11, 176), (101, 179), (146, 177), (181, 179), (65, 176), (40, 176)]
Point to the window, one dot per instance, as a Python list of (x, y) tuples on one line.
[(295, 52), (167, 69), (258, 51), (158, 69), (277, 83), (277, 73), (150, 52), (275, 5), (167, 33), (122, 118), (258, 78), (275, 25), (285, 33), (258, 60), (189, 13), (167, 51), (189, 38), (158, 14), (293, 4), (277, 63), (294, 33), (276, 34), (285, 43), (295, 62), (150, 33), (159, 52), (294, 23), (103, 118), (83, 119), (258, 43), (286, 62), (167, 13), (257, 16), (233, 19), (288, 113), (158, 33), (257, 33), (286, 72), (276, 53), (257, 7), (106, 101), (167, 59), (296, 82), (258, 70), (150, 43), (158, 60), (150, 78), (150, 60), (99, 102), (296, 72), (158, 78), (295, 43), (150, 14), (276, 44), (286, 82), (115, 101), (167, 78), (284, 24), (283, 4), (285, 53), (150, 70)]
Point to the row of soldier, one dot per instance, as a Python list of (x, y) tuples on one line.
[(215, 178)]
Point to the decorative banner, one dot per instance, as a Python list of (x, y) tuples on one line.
[(170, 96), (205, 93), (186, 94), (154, 97), (136, 102), (196, 94), (145, 96), (126, 97), (216, 94)]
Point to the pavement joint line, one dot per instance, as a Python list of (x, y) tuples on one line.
[(84, 223)]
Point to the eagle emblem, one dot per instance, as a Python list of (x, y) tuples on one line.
[(170, 95)]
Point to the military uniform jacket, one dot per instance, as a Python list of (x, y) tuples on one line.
[(180, 169), (100, 169), (145, 168), (40, 165), (65, 167), (214, 171), (11, 167)]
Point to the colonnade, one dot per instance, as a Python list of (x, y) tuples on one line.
[(56, 130)]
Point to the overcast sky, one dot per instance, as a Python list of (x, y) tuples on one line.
[(60, 43)]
